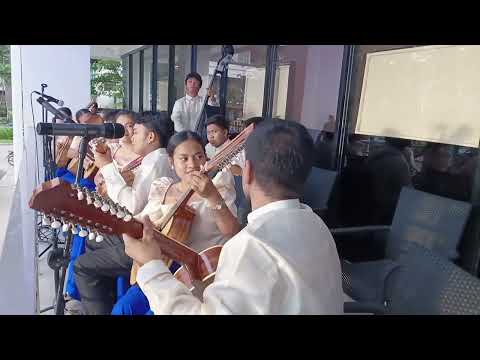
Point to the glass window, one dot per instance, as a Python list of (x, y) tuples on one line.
[(307, 82), (246, 84), (376, 168), (126, 90), (207, 58), (147, 78), (183, 55), (162, 77), (136, 80)]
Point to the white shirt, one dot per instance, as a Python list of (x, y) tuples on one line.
[(186, 110), (134, 198), (283, 262), (211, 151), (204, 231)]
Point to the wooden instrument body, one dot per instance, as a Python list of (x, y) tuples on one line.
[(206, 271), (178, 228), (59, 199)]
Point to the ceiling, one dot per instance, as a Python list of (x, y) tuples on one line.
[(113, 52)]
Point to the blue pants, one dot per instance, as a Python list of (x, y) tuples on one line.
[(134, 302), (66, 175), (78, 243)]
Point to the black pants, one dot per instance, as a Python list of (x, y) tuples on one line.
[(96, 272)]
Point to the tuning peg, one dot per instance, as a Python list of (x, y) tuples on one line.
[(120, 213), (97, 203), (80, 194), (105, 207), (56, 224), (99, 238), (113, 207), (91, 236), (46, 220), (65, 227), (74, 230), (83, 232), (128, 216)]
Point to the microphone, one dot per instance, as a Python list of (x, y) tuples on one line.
[(50, 98), (59, 114), (109, 130)]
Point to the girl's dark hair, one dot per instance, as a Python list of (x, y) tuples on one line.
[(181, 137), (81, 112), (159, 122), (109, 117), (131, 114)]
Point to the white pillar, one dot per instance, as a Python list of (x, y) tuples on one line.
[(66, 71)]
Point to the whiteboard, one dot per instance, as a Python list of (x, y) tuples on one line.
[(429, 93)]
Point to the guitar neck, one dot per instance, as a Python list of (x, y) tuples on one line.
[(133, 164), (170, 247)]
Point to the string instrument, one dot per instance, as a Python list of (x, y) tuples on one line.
[(127, 171), (178, 220), (89, 167), (61, 155), (71, 205)]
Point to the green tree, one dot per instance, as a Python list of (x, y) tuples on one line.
[(106, 78), (5, 86)]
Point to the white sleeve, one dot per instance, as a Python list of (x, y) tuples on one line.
[(134, 197), (232, 292), (225, 183), (177, 116)]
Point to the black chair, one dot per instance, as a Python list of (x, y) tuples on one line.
[(423, 282), (431, 221), (318, 188)]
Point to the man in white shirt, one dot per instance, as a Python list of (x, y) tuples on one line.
[(96, 270), (187, 109), (283, 262), (150, 137)]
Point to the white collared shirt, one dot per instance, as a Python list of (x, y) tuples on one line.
[(186, 110), (283, 262), (134, 198)]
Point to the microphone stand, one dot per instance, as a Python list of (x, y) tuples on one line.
[(60, 300), (49, 166), (59, 260)]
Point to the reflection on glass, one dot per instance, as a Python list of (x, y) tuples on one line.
[(182, 68), (147, 78), (126, 91), (136, 80), (162, 77), (376, 168)]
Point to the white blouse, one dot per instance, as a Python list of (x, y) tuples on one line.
[(204, 232)]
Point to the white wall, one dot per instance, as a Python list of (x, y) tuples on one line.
[(322, 81), (66, 71)]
